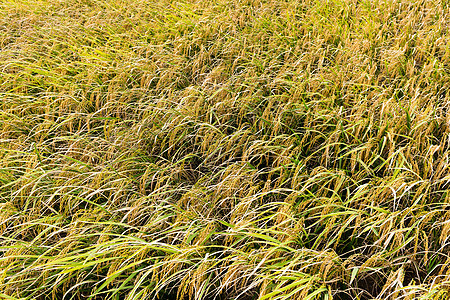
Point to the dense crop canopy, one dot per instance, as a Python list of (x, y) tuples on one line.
[(261, 149)]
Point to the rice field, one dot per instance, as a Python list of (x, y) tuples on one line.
[(242, 149)]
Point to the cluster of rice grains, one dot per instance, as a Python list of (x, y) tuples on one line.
[(246, 149)]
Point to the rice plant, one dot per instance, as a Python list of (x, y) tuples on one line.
[(243, 149)]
